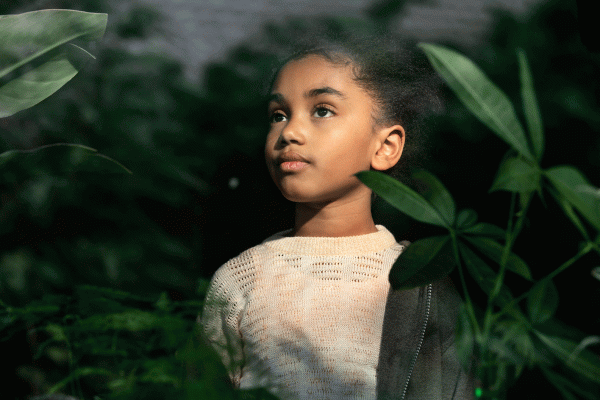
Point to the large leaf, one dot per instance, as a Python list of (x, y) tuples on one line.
[(542, 301), (518, 336), (482, 273), (35, 85), (437, 195), (31, 37), (482, 97), (516, 175), (61, 157), (25, 37), (466, 218), (422, 262), (402, 197), (485, 229), (494, 250), (77, 374), (572, 185), (584, 362), (530, 106)]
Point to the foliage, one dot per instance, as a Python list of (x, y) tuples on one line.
[(195, 149), (134, 348), (116, 345), (114, 226), (502, 339)]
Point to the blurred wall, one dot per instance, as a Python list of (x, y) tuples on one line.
[(196, 32)]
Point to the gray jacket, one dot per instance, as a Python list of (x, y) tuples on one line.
[(436, 374)]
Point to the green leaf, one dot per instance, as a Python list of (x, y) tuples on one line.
[(516, 175), (571, 214), (530, 106), (422, 262), (518, 335), (62, 157), (485, 229), (78, 373), (482, 273), (542, 301), (586, 342), (132, 320), (466, 218), (494, 250), (34, 36), (402, 197), (437, 195), (567, 386), (26, 37), (585, 362), (160, 370), (572, 185), (57, 332), (482, 97), (35, 85)]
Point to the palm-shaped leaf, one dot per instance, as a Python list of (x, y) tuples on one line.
[(37, 37), (479, 94), (402, 197)]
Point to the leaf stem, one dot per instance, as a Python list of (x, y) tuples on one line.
[(586, 249), (469, 303), (512, 232)]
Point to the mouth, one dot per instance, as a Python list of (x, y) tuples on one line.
[(291, 166), (291, 161)]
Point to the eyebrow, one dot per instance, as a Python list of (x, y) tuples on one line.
[(278, 97), (324, 90)]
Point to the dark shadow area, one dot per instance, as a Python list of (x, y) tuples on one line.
[(200, 194)]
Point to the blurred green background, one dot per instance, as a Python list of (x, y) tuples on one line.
[(200, 192)]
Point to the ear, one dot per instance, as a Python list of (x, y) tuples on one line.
[(390, 146)]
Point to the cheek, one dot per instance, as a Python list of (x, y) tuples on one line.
[(270, 143)]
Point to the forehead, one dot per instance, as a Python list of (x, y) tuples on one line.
[(315, 71)]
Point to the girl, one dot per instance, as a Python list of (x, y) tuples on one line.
[(308, 314)]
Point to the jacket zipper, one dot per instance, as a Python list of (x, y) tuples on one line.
[(421, 338)]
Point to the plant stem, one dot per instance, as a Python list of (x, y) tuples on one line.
[(469, 303), (551, 275), (511, 236)]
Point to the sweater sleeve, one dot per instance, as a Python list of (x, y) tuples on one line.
[(221, 316)]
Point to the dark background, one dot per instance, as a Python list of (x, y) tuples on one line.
[(200, 192)]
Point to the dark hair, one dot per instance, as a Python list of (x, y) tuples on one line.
[(403, 85)]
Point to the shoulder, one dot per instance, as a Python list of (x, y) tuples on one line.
[(240, 267)]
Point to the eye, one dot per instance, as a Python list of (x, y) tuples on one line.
[(323, 112), (277, 116)]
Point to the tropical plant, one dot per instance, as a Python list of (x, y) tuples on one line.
[(503, 339), (37, 57), (101, 341), (138, 232)]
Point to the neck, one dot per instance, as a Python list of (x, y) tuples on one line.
[(334, 220)]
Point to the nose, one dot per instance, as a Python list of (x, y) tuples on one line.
[(293, 132)]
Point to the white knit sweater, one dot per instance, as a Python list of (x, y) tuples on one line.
[(302, 316)]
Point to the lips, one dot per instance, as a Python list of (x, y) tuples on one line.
[(291, 161), (290, 156)]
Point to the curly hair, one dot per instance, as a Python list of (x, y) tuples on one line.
[(400, 80)]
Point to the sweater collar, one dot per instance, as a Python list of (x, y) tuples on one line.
[(329, 246)]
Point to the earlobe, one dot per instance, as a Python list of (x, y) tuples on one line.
[(391, 140)]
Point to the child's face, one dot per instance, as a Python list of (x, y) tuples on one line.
[(321, 120)]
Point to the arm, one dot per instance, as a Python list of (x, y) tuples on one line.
[(220, 320)]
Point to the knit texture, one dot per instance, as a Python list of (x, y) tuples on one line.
[(304, 318)]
